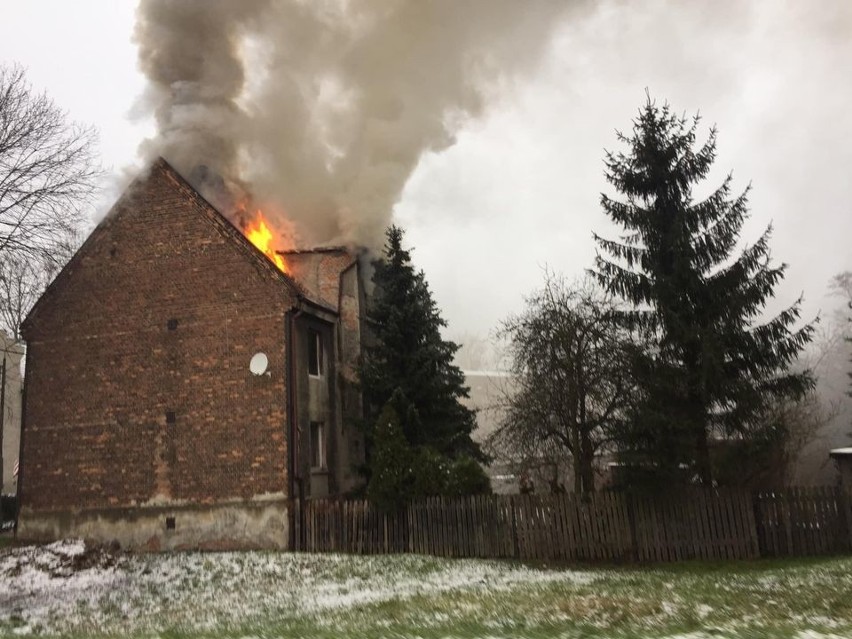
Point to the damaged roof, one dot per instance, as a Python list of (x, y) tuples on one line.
[(223, 224)]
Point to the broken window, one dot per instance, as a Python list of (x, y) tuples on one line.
[(314, 353), (317, 446)]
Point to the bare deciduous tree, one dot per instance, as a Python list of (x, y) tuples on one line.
[(48, 173), (841, 285), (571, 380), (24, 278), (48, 177), (818, 420), (802, 422)]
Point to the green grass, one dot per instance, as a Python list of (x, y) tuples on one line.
[(195, 596), (772, 599)]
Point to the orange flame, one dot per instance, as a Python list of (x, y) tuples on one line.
[(258, 233)]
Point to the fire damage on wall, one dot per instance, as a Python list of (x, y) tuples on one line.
[(187, 380)]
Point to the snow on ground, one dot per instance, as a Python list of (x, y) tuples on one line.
[(40, 582), (66, 588), (62, 586)]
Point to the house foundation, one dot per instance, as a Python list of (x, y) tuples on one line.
[(237, 525)]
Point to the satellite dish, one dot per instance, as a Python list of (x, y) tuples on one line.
[(258, 363)]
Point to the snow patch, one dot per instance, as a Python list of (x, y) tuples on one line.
[(64, 587)]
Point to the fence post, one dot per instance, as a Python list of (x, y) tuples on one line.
[(297, 525), (515, 542), (844, 505), (631, 519), (786, 508), (760, 533), (409, 526)]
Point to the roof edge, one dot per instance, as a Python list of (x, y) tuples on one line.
[(320, 249), (162, 164), (231, 228), (33, 313)]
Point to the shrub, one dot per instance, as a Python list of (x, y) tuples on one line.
[(430, 473), (390, 481), (466, 477)]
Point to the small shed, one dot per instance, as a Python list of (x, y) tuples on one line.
[(843, 459)]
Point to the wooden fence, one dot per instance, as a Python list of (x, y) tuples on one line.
[(616, 527)]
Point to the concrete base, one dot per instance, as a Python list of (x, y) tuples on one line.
[(231, 526)]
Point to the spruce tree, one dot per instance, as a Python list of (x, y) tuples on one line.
[(410, 359), (714, 360)]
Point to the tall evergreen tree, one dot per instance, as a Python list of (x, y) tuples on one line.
[(713, 362), (410, 359)]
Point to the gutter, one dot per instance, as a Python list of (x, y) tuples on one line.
[(293, 478)]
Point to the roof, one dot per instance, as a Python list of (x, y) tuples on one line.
[(840, 452), (229, 226), (214, 215), (317, 249)]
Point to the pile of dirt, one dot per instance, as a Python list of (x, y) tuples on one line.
[(59, 559), (95, 556)]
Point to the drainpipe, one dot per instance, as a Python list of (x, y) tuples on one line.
[(292, 416)]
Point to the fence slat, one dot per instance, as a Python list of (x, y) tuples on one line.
[(640, 528)]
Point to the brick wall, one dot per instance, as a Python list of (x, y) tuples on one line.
[(319, 272), (104, 369)]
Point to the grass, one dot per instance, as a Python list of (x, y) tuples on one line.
[(774, 599), (190, 596)]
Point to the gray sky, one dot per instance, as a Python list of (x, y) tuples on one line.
[(520, 187)]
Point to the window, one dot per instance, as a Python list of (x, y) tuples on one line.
[(314, 353), (317, 445)]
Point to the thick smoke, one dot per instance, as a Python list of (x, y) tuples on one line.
[(322, 109)]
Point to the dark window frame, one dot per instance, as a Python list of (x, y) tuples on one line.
[(319, 446), (315, 353)]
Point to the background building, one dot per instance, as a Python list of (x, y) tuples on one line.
[(11, 381)]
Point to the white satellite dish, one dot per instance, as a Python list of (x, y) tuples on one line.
[(259, 363)]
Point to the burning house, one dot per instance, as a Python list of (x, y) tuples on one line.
[(182, 388)]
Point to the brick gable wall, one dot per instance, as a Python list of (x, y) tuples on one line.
[(104, 369)]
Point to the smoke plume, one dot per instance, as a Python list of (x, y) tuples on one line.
[(322, 109)]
